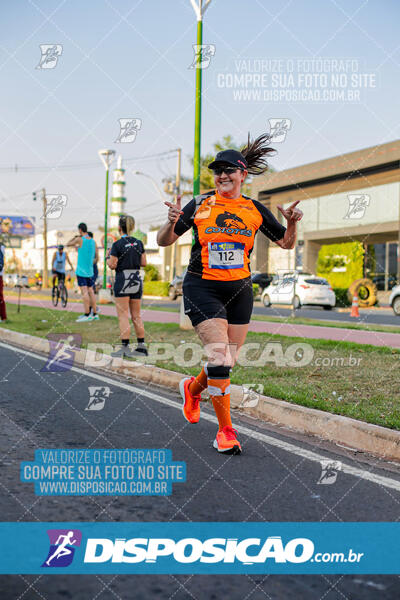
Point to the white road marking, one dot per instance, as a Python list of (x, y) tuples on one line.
[(272, 441)]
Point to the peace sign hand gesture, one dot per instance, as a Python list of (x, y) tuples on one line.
[(174, 210), (291, 214)]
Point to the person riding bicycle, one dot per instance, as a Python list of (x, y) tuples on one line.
[(58, 264), (217, 289)]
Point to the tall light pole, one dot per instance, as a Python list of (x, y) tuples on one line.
[(199, 9), (106, 157)]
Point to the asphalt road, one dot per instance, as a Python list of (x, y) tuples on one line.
[(268, 482), (386, 317), (381, 317)]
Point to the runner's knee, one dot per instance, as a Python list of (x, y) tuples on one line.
[(217, 371)]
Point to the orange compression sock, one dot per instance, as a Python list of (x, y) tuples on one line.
[(219, 390), (199, 384)]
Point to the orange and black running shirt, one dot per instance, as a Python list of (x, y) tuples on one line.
[(224, 232)]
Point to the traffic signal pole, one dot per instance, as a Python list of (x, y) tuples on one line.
[(172, 270), (45, 261)]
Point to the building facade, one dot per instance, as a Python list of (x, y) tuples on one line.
[(352, 197)]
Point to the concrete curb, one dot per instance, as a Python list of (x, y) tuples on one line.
[(364, 437)]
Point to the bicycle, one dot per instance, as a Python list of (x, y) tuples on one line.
[(59, 291)]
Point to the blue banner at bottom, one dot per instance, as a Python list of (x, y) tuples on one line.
[(199, 548)]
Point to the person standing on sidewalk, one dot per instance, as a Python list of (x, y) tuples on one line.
[(95, 273), (84, 272), (3, 314), (96, 260), (217, 289), (126, 257)]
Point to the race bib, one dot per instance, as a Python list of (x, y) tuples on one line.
[(225, 255)]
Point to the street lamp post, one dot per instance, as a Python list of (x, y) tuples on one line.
[(153, 181), (199, 9), (45, 281), (106, 157)]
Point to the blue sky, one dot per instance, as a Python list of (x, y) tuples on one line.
[(131, 59)]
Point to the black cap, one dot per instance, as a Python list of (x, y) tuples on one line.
[(229, 157)]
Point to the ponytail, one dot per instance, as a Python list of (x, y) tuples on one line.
[(127, 224), (256, 152)]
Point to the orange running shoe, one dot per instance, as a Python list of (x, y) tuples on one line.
[(227, 442), (191, 403)]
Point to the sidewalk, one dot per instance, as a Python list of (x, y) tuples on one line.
[(358, 336)]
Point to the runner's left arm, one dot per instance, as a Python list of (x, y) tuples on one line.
[(270, 225), (292, 214), (143, 260)]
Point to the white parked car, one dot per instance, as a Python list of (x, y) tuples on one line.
[(307, 289), (394, 300)]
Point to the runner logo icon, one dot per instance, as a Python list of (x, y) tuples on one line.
[(329, 471), (55, 205), (62, 547), (131, 281), (61, 352), (98, 397), (50, 55), (202, 55), (358, 204), (128, 130)]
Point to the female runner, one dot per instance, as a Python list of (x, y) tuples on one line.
[(217, 289)]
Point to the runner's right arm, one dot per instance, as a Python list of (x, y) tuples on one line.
[(112, 259), (75, 241), (166, 234), (143, 260)]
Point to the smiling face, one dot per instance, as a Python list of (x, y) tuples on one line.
[(229, 184)]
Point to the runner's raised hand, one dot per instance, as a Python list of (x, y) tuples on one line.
[(174, 210), (291, 214)]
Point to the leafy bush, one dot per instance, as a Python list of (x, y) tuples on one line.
[(155, 288), (256, 290), (349, 255), (342, 299), (151, 273)]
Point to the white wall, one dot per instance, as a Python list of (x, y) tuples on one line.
[(328, 212)]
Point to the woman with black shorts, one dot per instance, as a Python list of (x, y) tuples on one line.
[(126, 257), (217, 289)]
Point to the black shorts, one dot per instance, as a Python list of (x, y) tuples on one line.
[(207, 299), (128, 283), (61, 276)]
